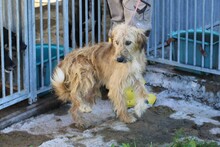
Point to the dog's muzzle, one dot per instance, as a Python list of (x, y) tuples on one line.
[(121, 59), (124, 57)]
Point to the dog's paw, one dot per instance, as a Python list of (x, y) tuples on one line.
[(85, 108), (132, 119), (140, 107), (82, 125), (129, 119)]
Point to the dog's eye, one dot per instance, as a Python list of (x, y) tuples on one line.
[(117, 42), (127, 42)]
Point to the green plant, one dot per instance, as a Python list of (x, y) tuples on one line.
[(181, 140)]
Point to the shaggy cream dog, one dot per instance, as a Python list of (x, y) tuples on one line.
[(117, 65)]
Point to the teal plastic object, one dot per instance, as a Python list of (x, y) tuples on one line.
[(199, 54), (46, 67)]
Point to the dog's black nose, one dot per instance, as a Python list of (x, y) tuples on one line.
[(121, 59)]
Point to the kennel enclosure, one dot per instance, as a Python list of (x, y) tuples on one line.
[(185, 34)]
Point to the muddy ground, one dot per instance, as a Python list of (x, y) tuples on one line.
[(154, 127)]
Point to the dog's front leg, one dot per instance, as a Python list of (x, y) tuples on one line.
[(116, 95), (141, 98)]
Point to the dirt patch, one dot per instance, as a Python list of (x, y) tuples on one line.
[(21, 139), (157, 127)]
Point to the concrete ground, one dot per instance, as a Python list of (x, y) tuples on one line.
[(187, 105)]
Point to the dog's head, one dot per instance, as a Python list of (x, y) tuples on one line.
[(22, 45), (127, 41)]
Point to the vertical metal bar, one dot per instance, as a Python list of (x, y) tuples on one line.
[(2, 51), (178, 28), (57, 31), (65, 27), (171, 28), (73, 24), (203, 29), (9, 15), (187, 34), (31, 43), (86, 16), (211, 44), (155, 30), (163, 27), (41, 45), (148, 46), (219, 52), (93, 22), (80, 24), (49, 37), (27, 75), (195, 37), (99, 21), (104, 20), (18, 47)]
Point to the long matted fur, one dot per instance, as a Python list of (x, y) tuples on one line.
[(117, 65)]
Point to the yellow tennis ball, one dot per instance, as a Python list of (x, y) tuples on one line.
[(151, 98), (130, 97)]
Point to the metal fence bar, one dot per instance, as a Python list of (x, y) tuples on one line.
[(80, 24), (148, 46), (195, 37), (65, 27), (99, 21), (13, 99), (178, 36), (42, 90), (171, 28), (173, 63), (211, 40), (86, 20), (73, 24), (187, 33), (16, 95), (203, 29), (163, 28), (49, 37), (93, 22), (9, 15), (219, 51), (18, 47), (155, 30), (104, 20), (57, 31), (26, 61), (32, 51), (41, 45), (2, 51)]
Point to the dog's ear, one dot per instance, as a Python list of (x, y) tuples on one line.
[(141, 40), (147, 33)]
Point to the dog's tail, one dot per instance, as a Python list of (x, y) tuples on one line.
[(57, 81)]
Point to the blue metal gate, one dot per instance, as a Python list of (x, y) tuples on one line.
[(50, 29), (186, 34), (15, 85)]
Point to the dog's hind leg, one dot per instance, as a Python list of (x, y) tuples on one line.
[(120, 105), (77, 115)]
